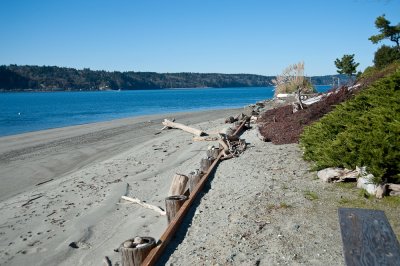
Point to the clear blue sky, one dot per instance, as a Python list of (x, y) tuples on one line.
[(247, 36)]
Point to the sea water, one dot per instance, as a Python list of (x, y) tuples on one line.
[(32, 111)]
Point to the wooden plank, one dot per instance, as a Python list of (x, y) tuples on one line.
[(368, 238), (156, 252)]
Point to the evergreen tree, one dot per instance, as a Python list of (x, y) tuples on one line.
[(386, 31), (386, 55), (346, 65)]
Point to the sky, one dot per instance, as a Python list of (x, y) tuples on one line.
[(207, 36)]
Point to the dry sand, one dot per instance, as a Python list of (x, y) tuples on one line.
[(262, 208), (89, 167)]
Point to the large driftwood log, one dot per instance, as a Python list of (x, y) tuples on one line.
[(197, 132), (178, 185), (394, 187), (173, 204), (194, 178), (133, 252), (148, 206)]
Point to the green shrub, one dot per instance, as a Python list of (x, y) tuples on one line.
[(385, 55), (364, 131)]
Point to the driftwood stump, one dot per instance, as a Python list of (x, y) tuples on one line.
[(194, 178), (135, 250), (205, 163), (178, 185), (213, 153), (172, 206)]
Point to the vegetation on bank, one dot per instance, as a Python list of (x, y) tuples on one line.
[(364, 131), (293, 80), (48, 78)]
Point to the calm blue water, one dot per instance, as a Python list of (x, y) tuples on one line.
[(25, 112)]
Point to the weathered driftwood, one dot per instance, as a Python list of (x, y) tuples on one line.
[(242, 126), (381, 191), (155, 254), (143, 204), (206, 138), (212, 153), (205, 163), (133, 254), (394, 187), (394, 193), (178, 185), (170, 124), (172, 206), (194, 179), (224, 145)]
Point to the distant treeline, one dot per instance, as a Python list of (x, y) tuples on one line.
[(53, 78)]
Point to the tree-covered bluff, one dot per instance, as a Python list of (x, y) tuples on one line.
[(50, 78)]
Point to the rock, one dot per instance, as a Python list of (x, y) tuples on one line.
[(73, 245), (138, 240), (366, 183), (128, 244), (230, 119)]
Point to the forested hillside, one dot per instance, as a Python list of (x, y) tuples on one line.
[(50, 78)]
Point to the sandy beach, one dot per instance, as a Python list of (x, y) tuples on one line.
[(76, 177), (61, 197)]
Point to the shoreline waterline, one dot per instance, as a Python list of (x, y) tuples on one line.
[(28, 112)]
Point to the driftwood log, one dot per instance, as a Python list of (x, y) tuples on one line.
[(207, 138), (212, 153), (143, 204), (135, 250), (155, 254), (178, 185), (194, 178), (169, 124), (205, 164), (172, 206)]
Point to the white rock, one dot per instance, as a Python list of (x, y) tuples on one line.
[(366, 183)]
